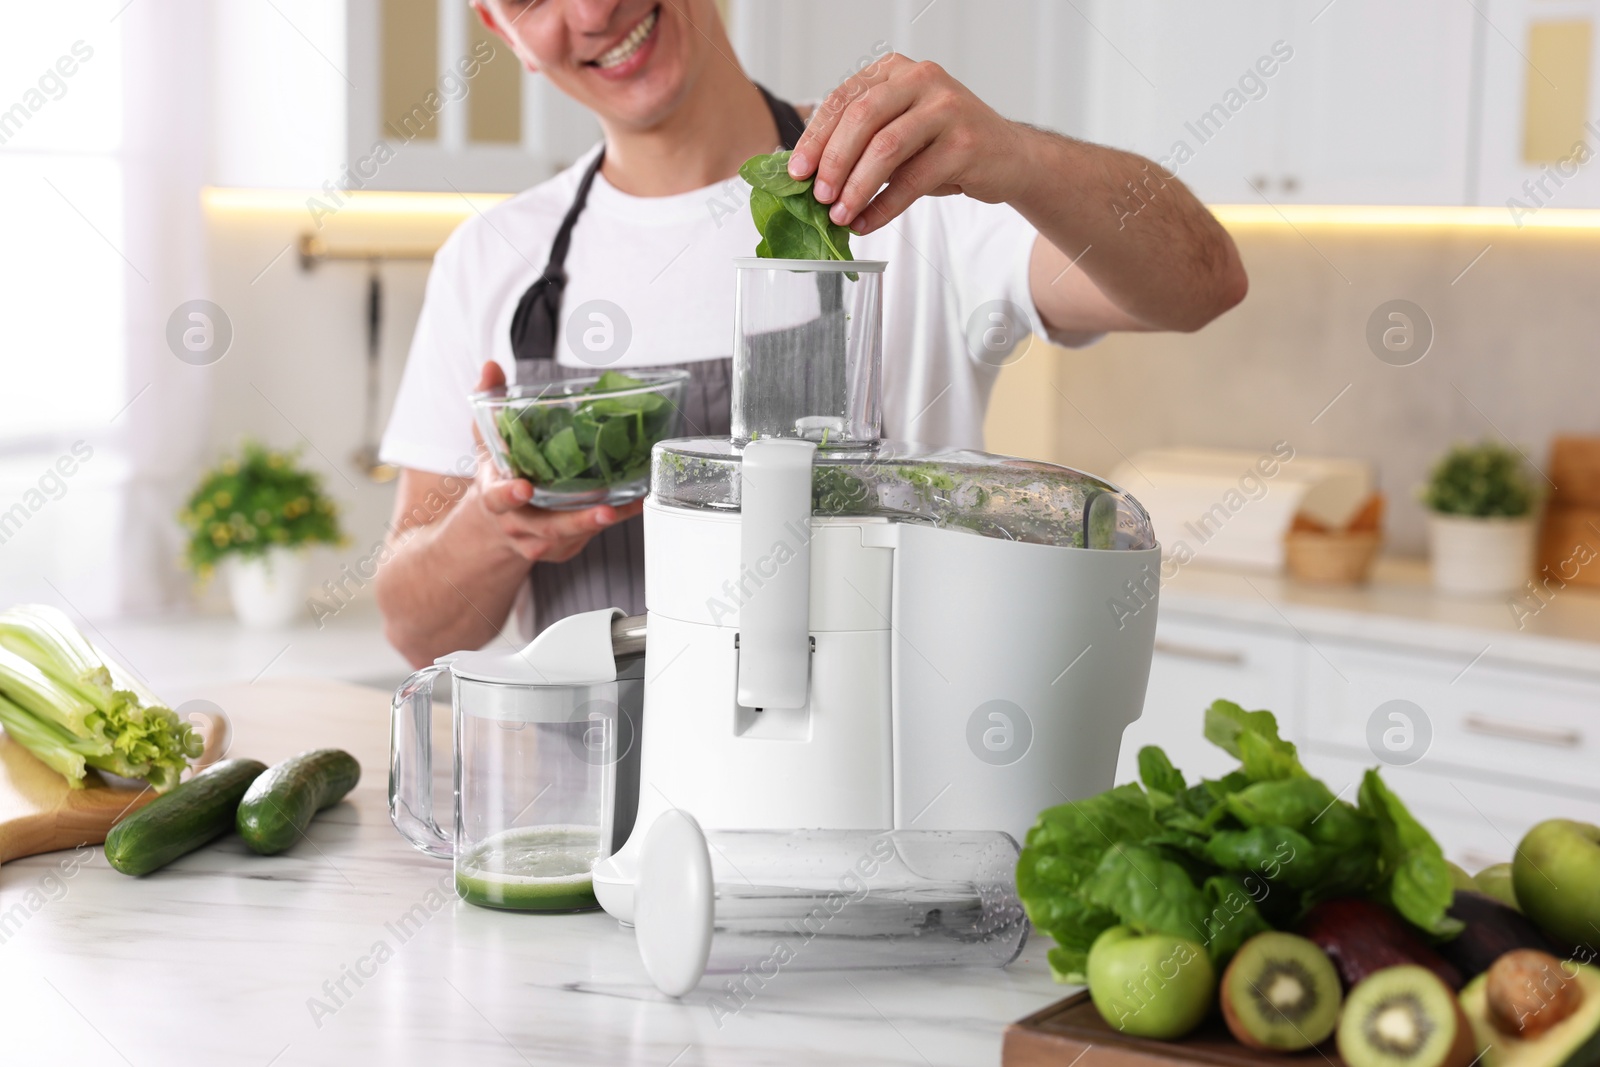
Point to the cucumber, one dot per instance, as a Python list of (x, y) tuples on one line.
[(196, 812), (277, 809)]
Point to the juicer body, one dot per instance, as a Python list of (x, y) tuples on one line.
[(955, 682)]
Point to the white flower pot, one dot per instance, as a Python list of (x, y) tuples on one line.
[(269, 590), (1481, 556)]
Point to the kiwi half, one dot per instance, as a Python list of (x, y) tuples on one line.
[(1281, 992), (1405, 1017)]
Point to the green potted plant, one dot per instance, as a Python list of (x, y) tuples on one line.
[(256, 515), (1481, 524)]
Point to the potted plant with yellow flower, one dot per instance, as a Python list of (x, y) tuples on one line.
[(256, 516)]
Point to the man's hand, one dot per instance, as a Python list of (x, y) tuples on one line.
[(535, 534), (1123, 245), (458, 556), (912, 130)]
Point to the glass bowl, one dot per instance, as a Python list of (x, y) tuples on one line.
[(581, 441)]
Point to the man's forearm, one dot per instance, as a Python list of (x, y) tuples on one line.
[(442, 589), (1135, 231)]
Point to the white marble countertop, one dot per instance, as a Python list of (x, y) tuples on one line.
[(226, 957), (1399, 606)]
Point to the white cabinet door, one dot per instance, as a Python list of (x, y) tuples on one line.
[(1181, 84), (1359, 101), (1196, 662), (1378, 97), (1540, 99)]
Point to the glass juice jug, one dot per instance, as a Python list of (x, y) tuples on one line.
[(538, 743)]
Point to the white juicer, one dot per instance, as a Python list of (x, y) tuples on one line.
[(846, 633)]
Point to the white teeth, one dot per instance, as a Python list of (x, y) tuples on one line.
[(629, 44)]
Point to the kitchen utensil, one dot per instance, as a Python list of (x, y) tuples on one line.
[(579, 442), (764, 901), (538, 733), (1072, 1031), (849, 633), (366, 455), (40, 813)]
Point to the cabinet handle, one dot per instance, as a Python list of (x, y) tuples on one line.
[(1209, 655), (1518, 731)]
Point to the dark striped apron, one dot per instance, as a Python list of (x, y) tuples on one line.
[(609, 572)]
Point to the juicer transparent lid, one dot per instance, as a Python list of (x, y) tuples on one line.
[(993, 496)]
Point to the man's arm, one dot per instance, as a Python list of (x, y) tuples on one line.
[(1125, 246), (460, 550)]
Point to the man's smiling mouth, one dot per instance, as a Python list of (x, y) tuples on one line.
[(624, 49)]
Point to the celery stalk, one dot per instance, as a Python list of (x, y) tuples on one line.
[(45, 740), (114, 721)]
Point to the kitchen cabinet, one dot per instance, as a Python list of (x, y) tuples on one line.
[(1539, 100), (1357, 102), (380, 94), (1499, 729)]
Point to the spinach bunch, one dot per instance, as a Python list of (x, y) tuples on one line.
[(591, 445), (793, 224), (1221, 860)]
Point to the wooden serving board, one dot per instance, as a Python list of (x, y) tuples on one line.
[(40, 813), (1071, 1032)]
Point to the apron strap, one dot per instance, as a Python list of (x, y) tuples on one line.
[(538, 316)]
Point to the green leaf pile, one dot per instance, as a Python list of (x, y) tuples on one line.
[(793, 223), (1221, 860), (593, 444)]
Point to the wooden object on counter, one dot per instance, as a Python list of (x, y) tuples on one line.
[(1575, 470), (1071, 1031), (40, 813), (1569, 548), (1569, 538)]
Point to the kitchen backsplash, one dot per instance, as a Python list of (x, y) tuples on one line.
[(1513, 314), (1268, 371)]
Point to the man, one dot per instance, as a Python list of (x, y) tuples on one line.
[(966, 206)]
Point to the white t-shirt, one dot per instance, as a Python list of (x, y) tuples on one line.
[(667, 263)]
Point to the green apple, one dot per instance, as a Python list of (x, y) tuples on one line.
[(1150, 985), (1459, 878), (1495, 881), (1556, 875)]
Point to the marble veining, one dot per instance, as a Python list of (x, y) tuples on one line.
[(344, 950)]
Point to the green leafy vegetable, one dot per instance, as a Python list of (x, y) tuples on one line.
[(1418, 878), (1157, 772), (793, 223), (1226, 858), (73, 710), (597, 443)]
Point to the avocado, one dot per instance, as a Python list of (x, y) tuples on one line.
[(1489, 931), (1572, 1042)]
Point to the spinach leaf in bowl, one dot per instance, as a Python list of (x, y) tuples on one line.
[(592, 443)]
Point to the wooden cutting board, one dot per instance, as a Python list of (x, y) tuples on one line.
[(40, 813), (1071, 1032)]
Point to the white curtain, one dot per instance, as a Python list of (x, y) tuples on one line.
[(166, 154)]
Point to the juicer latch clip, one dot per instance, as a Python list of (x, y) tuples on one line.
[(775, 559)]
